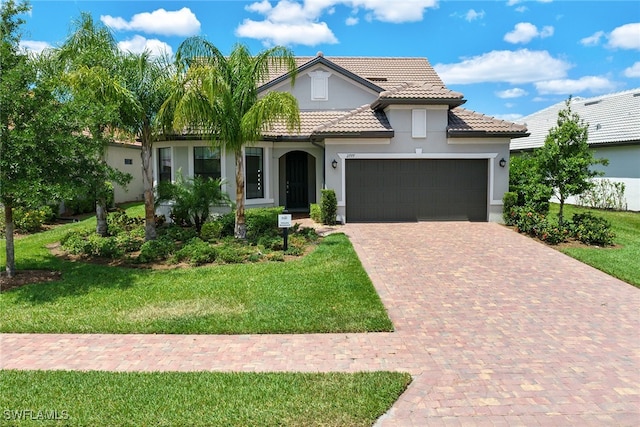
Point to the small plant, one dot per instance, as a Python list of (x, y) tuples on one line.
[(329, 206), (262, 222), (509, 202), (231, 254), (211, 231), (592, 230), (156, 250), (30, 220), (315, 212), (193, 199), (604, 194), (196, 252)]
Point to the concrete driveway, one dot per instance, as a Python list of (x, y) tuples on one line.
[(497, 329)]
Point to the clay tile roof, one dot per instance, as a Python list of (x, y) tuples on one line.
[(360, 121), (463, 122), (309, 121), (384, 72)]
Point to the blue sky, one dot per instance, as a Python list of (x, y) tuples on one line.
[(509, 58)]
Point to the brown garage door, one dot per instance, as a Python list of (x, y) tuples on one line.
[(416, 189)]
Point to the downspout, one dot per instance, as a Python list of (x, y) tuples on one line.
[(324, 162)]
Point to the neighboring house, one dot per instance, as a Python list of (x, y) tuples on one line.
[(614, 134), (384, 133), (126, 158)]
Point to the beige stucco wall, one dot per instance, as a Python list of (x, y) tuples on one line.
[(116, 155)]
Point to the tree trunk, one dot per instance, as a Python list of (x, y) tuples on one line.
[(147, 182), (8, 232), (560, 212), (240, 231), (101, 216)]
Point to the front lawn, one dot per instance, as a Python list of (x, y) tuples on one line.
[(621, 261), (325, 291), (197, 398)]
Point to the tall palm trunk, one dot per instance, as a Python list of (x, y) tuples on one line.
[(147, 183), (101, 216), (240, 231), (8, 232)]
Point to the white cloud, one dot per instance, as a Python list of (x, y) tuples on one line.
[(273, 33), (304, 18), (352, 20), (472, 15), (524, 32), (139, 44), (593, 84), (592, 40), (34, 46), (181, 22), (633, 71), (625, 37), (516, 92), (515, 67), (393, 11)]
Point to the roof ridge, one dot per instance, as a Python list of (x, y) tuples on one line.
[(345, 116)]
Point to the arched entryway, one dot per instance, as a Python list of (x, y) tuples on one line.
[(297, 181)]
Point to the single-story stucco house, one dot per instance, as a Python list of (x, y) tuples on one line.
[(614, 134), (384, 133)]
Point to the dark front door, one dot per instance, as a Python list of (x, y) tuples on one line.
[(297, 181)]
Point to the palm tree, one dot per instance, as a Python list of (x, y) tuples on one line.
[(218, 96), (90, 59), (147, 80)]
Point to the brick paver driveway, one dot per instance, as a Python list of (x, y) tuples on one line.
[(496, 329)]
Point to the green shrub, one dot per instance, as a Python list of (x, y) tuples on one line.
[(262, 222), (119, 222), (315, 212), (228, 223), (76, 243), (129, 242), (193, 199), (211, 231), (274, 243), (156, 250), (231, 254), (80, 205), (177, 233), (552, 233), (276, 256), (329, 206), (592, 230), (30, 220), (509, 201), (104, 247), (196, 252)]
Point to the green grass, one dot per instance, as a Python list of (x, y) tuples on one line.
[(198, 398), (326, 291), (622, 261)]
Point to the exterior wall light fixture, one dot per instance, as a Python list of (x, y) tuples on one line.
[(502, 162), (334, 163)]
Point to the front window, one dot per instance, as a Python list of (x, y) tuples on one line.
[(206, 162), (164, 164), (254, 160)]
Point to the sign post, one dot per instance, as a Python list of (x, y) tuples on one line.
[(284, 222)]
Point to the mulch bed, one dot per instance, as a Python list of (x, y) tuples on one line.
[(27, 277)]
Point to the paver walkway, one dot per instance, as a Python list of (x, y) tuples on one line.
[(496, 329)]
